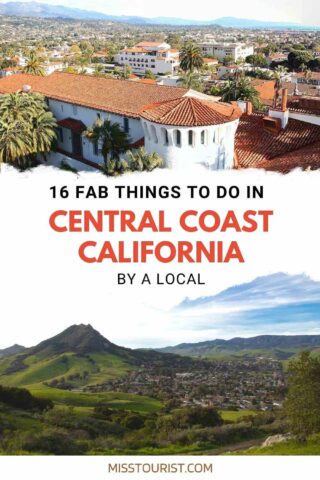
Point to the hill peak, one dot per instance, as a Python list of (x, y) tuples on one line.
[(13, 350), (77, 339)]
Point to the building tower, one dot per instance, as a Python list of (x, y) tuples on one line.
[(189, 131)]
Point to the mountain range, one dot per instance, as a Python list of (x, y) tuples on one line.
[(43, 10), (276, 346), (81, 357)]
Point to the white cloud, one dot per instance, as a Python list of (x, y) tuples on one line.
[(44, 287)]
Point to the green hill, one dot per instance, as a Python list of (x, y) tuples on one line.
[(76, 358), (280, 347)]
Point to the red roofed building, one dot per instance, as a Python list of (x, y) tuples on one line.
[(158, 57), (183, 126)]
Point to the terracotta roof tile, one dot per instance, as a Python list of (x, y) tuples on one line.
[(306, 158), (258, 148), (189, 111), (107, 94)]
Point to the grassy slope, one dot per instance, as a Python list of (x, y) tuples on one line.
[(118, 400), (100, 367), (311, 447), (233, 415)]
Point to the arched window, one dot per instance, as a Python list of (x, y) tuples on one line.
[(177, 136), (165, 136), (146, 130), (214, 136), (191, 138), (203, 137), (154, 134)]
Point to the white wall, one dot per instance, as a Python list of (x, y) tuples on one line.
[(216, 153), (304, 117), (55, 160), (88, 116)]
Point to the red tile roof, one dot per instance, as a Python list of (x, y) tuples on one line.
[(258, 148), (149, 44), (306, 158), (189, 111), (107, 94), (265, 88), (308, 105), (75, 125)]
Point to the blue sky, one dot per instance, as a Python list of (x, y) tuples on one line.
[(274, 304), (307, 11)]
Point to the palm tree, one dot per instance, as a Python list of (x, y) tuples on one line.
[(27, 128), (278, 75), (113, 141), (98, 70), (43, 132), (13, 146), (141, 160), (33, 65), (191, 80), (240, 89), (190, 57)]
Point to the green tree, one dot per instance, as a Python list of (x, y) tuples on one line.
[(257, 60), (113, 141), (190, 57), (99, 70), (191, 80), (33, 65), (149, 74), (302, 405), (240, 89), (27, 128), (141, 160), (297, 58), (278, 75), (174, 40), (227, 60)]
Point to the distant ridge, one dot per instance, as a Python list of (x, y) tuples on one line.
[(260, 342), (12, 350), (43, 10)]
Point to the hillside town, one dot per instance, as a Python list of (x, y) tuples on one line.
[(256, 383), (219, 97)]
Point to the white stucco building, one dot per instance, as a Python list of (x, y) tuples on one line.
[(183, 126), (221, 50), (158, 57), (190, 131)]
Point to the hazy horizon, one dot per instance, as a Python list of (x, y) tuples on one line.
[(295, 11)]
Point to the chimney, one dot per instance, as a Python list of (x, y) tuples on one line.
[(248, 108), (283, 113), (284, 99), (26, 88)]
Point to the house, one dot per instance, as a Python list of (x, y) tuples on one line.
[(279, 141), (50, 67), (7, 72), (158, 57), (183, 126), (278, 57), (309, 78), (265, 89), (210, 62)]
